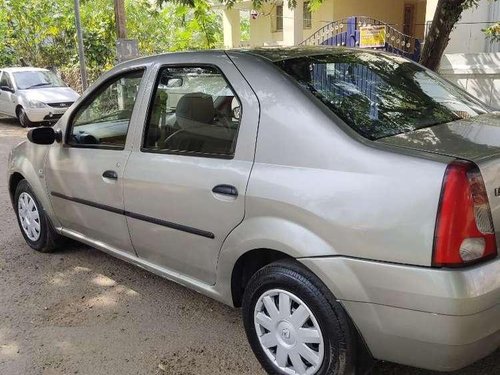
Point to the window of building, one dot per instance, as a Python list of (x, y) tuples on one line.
[(409, 16), (307, 15), (279, 17)]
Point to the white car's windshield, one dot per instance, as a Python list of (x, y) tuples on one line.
[(380, 95), (36, 79)]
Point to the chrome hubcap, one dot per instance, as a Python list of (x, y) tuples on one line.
[(288, 332), (29, 216)]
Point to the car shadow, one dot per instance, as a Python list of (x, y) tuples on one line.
[(109, 283), (10, 121)]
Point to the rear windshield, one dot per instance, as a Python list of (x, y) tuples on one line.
[(380, 95)]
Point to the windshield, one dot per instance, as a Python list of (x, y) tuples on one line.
[(380, 95), (36, 79)]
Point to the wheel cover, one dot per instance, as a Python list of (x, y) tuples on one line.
[(288, 332), (29, 216)]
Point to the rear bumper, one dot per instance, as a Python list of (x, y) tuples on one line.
[(436, 319)]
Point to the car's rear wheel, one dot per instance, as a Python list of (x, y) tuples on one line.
[(23, 118), (33, 221), (294, 324)]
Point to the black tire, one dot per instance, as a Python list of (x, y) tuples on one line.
[(23, 118), (338, 334), (48, 239)]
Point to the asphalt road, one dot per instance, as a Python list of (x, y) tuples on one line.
[(80, 311)]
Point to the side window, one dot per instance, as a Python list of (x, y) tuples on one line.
[(279, 17), (193, 111), (103, 119), (5, 80)]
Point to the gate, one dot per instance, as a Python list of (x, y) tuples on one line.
[(346, 32)]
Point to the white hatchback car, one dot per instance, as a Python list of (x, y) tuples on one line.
[(34, 95)]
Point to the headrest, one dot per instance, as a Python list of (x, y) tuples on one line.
[(195, 109)]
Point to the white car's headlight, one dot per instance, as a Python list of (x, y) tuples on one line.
[(36, 104)]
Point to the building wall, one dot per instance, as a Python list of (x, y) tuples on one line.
[(420, 16), (468, 37), (478, 73), (320, 17), (389, 11), (261, 28)]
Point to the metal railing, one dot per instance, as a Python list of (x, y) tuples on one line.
[(346, 32)]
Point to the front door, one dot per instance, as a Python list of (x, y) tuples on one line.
[(185, 186), (7, 98), (85, 174)]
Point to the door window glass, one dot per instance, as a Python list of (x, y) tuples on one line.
[(103, 120), (5, 81), (193, 111)]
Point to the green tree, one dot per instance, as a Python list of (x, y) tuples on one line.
[(493, 32), (42, 32)]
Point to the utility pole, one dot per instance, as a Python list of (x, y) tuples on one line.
[(81, 54), (121, 28)]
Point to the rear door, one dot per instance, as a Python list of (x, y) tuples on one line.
[(185, 181), (84, 174)]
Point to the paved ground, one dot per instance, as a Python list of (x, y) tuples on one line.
[(80, 311)]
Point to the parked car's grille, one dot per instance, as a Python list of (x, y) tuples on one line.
[(53, 118), (60, 105)]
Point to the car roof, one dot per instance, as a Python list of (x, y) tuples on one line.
[(23, 69), (269, 53), (285, 53)]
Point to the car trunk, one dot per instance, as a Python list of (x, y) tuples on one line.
[(476, 139)]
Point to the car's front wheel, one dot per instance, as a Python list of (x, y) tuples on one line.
[(33, 221), (23, 118), (294, 324)]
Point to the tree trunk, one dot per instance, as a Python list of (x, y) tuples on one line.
[(448, 12), (121, 28)]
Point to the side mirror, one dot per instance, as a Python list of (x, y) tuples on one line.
[(44, 135), (7, 88)]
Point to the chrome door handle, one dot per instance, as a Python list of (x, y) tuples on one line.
[(225, 190), (110, 174)]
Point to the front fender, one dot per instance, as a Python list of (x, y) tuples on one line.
[(271, 233), (28, 159)]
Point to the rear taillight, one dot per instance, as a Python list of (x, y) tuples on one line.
[(464, 226)]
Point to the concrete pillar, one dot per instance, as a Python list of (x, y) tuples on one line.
[(293, 24), (430, 9), (231, 28)]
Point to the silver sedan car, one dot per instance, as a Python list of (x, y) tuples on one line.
[(347, 200), (34, 95)]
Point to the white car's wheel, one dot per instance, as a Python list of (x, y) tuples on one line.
[(23, 118)]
